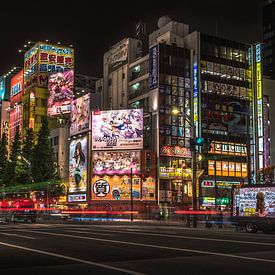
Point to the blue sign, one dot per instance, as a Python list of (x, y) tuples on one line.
[(2, 88), (16, 89), (258, 53), (153, 67)]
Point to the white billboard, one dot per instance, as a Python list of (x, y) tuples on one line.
[(117, 129)]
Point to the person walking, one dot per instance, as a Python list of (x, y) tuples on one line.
[(220, 218), (208, 223)]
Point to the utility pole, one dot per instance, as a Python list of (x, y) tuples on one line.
[(131, 194)]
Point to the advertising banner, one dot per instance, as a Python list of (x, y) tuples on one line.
[(111, 163), (115, 188), (17, 87), (80, 115), (117, 129), (153, 67), (78, 159), (61, 92), (53, 59), (2, 88), (259, 201)]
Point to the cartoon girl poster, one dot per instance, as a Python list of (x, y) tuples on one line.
[(78, 165)]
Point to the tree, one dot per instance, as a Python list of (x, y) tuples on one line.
[(3, 156), (43, 161), (9, 174), (28, 143)]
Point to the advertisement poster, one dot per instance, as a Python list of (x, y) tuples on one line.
[(78, 165), (80, 115), (112, 163), (117, 129), (149, 189), (61, 92), (115, 188), (259, 201)]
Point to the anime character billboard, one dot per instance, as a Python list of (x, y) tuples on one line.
[(78, 165), (61, 92), (117, 129), (80, 115), (112, 163)]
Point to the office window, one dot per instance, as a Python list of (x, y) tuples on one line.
[(223, 52), (229, 53), (236, 56)]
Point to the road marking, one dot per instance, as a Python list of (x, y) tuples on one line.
[(72, 259), (132, 231), (17, 235), (87, 232), (157, 246)]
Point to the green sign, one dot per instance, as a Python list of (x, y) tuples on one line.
[(223, 201)]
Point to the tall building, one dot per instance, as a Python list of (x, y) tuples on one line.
[(115, 72), (194, 85), (269, 39)]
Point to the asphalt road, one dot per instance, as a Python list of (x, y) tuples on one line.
[(124, 248)]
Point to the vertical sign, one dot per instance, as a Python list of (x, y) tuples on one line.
[(195, 97), (259, 94), (153, 67)]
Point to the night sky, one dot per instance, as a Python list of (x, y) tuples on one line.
[(92, 30)]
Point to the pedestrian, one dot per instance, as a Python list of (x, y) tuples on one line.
[(220, 218), (208, 223)]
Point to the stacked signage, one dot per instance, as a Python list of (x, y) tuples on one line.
[(79, 152), (117, 138), (16, 92)]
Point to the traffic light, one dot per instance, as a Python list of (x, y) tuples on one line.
[(199, 141), (118, 197)]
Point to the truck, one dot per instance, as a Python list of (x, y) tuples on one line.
[(20, 209), (254, 208)]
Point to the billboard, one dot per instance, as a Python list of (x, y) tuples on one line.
[(78, 159), (259, 201), (119, 162), (153, 67), (53, 59), (17, 87), (61, 92), (44, 59), (112, 188), (80, 115), (2, 87), (117, 129)]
